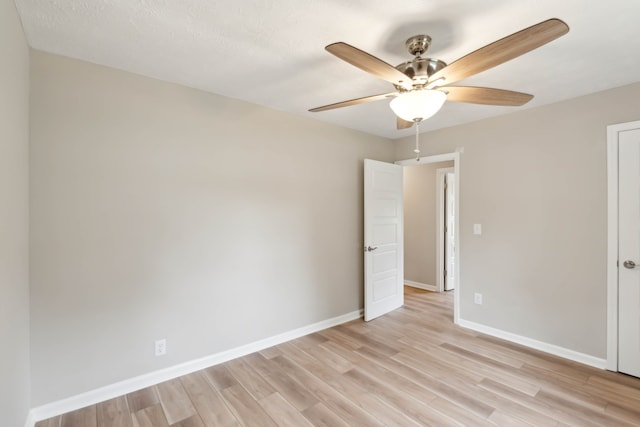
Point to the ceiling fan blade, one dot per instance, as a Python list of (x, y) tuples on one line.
[(403, 124), (485, 95), (370, 64), (354, 102), (501, 51)]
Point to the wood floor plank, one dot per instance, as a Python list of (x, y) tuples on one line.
[(220, 377), (51, 422), (382, 373), (560, 366), (207, 401), (335, 335), (142, 399), (282, 412), (363, 339), (560, 414), (245, 408), (418, 411), (460, 413), (244, 373), (370, 401), (193, 421), (512, 407), (271, 352), (360, 394), (151, 416), (433, 362), (616, 377), (630, 415), (350, 409), (294, 391), (331, 358), (175, 401), (383, 330), (414, 370), (322, 416), (114, 413), (581, 412), (85, 417), (548, 379), (309, 341), (502, 419), (485, 366), (576, 393), (614, 387)]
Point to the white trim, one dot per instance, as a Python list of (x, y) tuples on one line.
[(456, 220), (456, 188), (429, 159), (419, 285), (31, 421), (538, 345), (440, 222), (612, 240), (612, 249), (127, 386)]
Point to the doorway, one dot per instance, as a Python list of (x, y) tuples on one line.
[(384, 234), (439, 243), (426, 222)]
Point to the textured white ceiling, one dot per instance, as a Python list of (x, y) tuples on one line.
[(271, 52)]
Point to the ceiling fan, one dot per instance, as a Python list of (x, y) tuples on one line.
[(423, 84)]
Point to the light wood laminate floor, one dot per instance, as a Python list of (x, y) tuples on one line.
[(411, 367)]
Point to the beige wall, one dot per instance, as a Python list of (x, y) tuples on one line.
[(420, 222), (536, 181), (165, 212), (14, 214)]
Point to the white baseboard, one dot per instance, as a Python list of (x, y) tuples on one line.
[(30, 420), (419, 285), (538, 345), (127, 386)]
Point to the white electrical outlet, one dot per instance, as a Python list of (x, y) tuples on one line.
[(161, 347), (477, 298), (477, 229)]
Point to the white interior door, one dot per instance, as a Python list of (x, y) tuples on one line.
[(450, 232), (383, 239), (629, 252)]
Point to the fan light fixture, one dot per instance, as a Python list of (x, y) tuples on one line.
[(418, 105)]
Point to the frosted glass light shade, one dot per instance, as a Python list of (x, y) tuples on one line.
[(418, 104)]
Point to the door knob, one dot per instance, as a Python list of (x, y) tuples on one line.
[(629, 264), (370, 248)]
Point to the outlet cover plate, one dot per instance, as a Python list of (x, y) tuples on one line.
[(161, 347), (477, 298)]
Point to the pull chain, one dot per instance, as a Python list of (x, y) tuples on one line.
[(417, 149)]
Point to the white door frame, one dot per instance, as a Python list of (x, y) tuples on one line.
[(612, 240), (456, 191), (440, 222)]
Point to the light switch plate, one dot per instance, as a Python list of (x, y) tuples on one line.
[(477, 229)]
